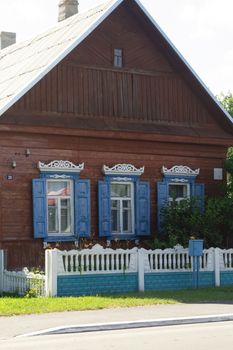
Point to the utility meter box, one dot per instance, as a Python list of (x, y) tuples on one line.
[(196, 247)]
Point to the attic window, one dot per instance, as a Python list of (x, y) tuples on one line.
[(118, 58)]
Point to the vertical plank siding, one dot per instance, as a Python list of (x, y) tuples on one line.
[(147, 88), (95, 92)]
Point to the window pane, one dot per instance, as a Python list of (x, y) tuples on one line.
[(115, 216), (60, 208), (52, 215), (127, 221), (120, 190), (65, 215), (118, 61), (178, 191), (58, 188)]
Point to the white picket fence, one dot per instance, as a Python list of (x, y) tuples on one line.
[(99, 260), (20, 282)]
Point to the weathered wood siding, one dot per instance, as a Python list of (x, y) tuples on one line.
[(16, 233), (146, 89)]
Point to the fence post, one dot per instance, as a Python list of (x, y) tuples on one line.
[(217, 266), (141, 271), (51, 273), (1, 270)]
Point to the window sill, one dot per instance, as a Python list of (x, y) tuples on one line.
[(122, 237), (60, 239)]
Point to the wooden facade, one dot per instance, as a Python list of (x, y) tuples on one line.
[(151, 112)]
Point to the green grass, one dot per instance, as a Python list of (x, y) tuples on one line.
[(20, 306)]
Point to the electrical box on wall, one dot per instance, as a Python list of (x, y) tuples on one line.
[(218, 173)]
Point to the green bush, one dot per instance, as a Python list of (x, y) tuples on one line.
[(180, 221), (183, 220), (31, 293), (218, 222)]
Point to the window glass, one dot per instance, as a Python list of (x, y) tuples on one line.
[(121, 208), (65, 215), (52, 215), (115, 215), (178, 191), (127, 219), (59, 202), (118, 60), (58, 188), (120, 190)]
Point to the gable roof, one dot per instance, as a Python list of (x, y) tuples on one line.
[(24, 64)]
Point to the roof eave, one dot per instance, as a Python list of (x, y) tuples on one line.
[(62, 55), (181, 57)]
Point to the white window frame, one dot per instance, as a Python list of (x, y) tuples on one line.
[(179, 199), (121, 207), (71, 233), (118, 58)]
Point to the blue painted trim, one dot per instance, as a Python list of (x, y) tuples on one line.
[(39, 208), (104, 209), (73, 177), (142, 212), (82, 208), (189, 179), (125, 178), (48, 175), (60, 239)]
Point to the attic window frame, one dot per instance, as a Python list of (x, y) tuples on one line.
[(118, 58)]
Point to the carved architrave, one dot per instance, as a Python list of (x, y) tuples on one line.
[(61, 176), (123, 169), (122, 178), (180, 170), (179, 180), (61, 166)]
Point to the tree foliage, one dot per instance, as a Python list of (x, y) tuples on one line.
[(227, 101), (184, 220)]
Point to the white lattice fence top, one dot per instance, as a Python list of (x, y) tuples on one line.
[(226, 259), (175, 259), (97, 260), (106, 260)]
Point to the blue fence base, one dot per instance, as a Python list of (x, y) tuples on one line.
[(78, 285)]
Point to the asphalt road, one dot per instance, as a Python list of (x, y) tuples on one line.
[(17, 325), (214, 336)]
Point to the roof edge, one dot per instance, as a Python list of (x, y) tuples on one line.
[(211, 95), (62, 55)]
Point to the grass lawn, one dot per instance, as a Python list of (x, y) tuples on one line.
[(20, 306)]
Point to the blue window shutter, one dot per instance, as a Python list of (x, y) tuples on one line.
[(142, 208), (104, 209), (199, 194), (162, 199), (82, 208), (39, 208)]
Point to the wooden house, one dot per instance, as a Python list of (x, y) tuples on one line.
[(101, 117)]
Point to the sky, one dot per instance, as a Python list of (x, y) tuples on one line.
[(202, 30)]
